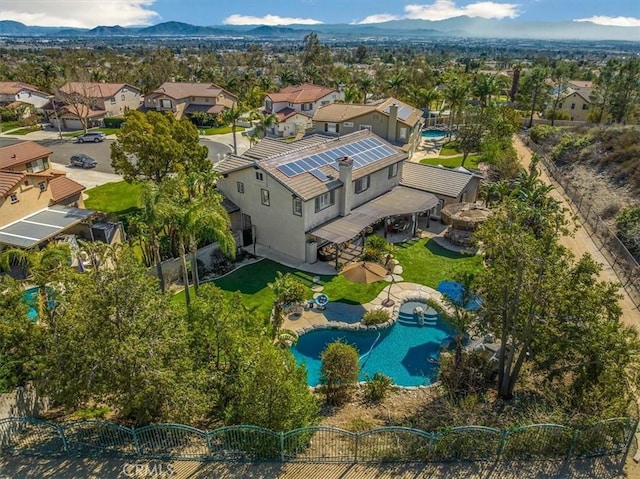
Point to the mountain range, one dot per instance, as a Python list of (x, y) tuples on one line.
[(452, 27)]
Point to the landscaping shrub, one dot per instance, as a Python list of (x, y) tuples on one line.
[(377, 316), (473, 375), (113, 122), (375, 248), (540, 133), (339, 372), (377, 387)]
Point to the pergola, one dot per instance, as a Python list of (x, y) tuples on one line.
[(401, 200)]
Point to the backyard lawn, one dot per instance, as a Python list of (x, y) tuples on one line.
[(453, 162), (423, 261), (119, 198)]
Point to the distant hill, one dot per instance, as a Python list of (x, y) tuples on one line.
[(454, 27)]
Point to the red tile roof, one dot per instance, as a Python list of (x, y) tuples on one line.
[(21, 153), (13, 87), (63, 187), (304, 93), (8, 180)]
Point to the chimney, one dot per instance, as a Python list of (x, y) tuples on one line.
[(393, 123), (345, 168)]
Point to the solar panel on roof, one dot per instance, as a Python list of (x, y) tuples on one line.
[(319, 174), (315, 160), (295, 166)]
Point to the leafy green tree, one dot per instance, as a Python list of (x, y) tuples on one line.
[(484, 87), (339, 372), (155, 145), (471, 131), (533, 91), (118, 341), (272, 390), (286, 291), (560, 78), (396, 83), (625, 91), (20, 337)]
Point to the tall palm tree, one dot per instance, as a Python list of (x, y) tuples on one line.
[(366, 84), (484, 87), (150, 217), (192, 217), (265, 121), (396, 83), (455, 94), (230, 117)]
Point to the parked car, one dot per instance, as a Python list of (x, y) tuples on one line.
[(83, 160), (95, 136)]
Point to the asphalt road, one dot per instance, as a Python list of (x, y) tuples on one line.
[(101, 152)]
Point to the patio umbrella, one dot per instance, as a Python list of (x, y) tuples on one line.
[(364, 272)]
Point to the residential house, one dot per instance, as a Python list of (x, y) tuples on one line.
[(93, 102), (36, 201), (575, 99), (299, 196), (398, 123), (184, 99), (449, 185), (13, 94), (294, 106)]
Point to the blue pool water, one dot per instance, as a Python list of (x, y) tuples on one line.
[(406, 351), (433, 133), (30, 296), (453, 289)]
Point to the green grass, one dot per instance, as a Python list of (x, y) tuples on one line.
[(119, 198), (423, 261), (453, 162), (9, 125), (450, 148), (106, 131), (220, 130), (25, 130)]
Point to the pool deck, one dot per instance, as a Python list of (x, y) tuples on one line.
[(347, 316)]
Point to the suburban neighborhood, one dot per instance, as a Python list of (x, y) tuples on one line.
[(223, 253)]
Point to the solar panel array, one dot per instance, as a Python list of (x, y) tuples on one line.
[(362, 152)]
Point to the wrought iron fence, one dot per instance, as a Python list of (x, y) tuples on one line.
[(623, 263), (30, 436)]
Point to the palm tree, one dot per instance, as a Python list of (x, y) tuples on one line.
[(198, 215), (230, 117), (366, 84), (42, 266), (455, 94), (484, 87), (396, 83), (265, 121)]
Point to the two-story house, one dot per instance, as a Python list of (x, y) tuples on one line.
[(12, 92), (296, 197), (36, 201), (184, 99), (398, 123), (91, 102), (294, 106)]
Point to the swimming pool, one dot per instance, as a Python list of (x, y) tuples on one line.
[(433, 134), (406, 351), (30, 297)]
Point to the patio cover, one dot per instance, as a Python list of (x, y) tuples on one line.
[(38, 227), (399, 201)]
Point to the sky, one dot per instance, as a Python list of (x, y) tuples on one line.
[(91, 13)]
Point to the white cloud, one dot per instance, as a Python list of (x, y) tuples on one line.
[(443, 9), (612, 21), (381, 18), (268, 20), (79, 13)]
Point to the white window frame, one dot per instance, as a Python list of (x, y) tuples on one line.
[(325, 200), (332, 127), (240, 187), (348, 124), (259, 176), (366, 127), (265, 197), (403, 132), (166, 103), (393, 170), (296, 206)]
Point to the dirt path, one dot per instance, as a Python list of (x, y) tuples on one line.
[(581, 242)]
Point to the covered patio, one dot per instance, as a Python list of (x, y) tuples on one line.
[(397, 210)]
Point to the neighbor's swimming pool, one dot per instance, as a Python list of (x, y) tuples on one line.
[(406, 351), (432, 134)]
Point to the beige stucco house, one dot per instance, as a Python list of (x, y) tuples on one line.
[(576, 105), (112, 98), (391, 119), (294, 106), (12, 92), (300, 196), (36, 201), (184, 99)]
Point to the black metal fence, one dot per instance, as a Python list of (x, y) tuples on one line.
[(623, 263), (30, 436)]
